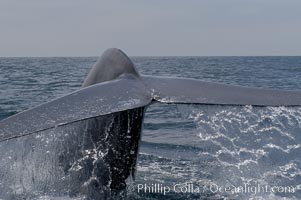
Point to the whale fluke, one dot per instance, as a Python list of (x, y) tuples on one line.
[(191, 91), (99, 99), (117, 86)]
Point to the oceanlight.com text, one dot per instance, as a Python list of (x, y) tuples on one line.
[(212, 188)]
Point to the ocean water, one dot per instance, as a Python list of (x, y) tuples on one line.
[(189, 151)]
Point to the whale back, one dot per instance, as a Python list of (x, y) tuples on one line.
[(112, 64)]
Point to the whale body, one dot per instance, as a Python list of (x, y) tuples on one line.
[(85, 144)]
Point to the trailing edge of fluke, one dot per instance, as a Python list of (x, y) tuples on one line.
[(114, 85)]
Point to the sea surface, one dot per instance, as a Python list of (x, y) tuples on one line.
[(189, 151)]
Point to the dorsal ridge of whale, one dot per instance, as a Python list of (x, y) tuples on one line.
[(112, 64)]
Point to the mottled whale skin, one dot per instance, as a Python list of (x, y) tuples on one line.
[(85, 144)]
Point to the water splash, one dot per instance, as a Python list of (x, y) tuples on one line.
[(250, 146), (240, 147)]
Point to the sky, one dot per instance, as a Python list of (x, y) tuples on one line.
[(150, 27)]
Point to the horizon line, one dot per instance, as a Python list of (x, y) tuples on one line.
[(158, 56)]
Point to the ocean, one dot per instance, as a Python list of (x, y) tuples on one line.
[(189, 151)]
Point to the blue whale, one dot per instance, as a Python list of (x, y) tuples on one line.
[(85, 144)]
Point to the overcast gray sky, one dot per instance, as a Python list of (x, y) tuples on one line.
[(150, 27)]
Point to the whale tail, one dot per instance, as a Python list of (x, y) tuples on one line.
[(114, 85), (112, 104)]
